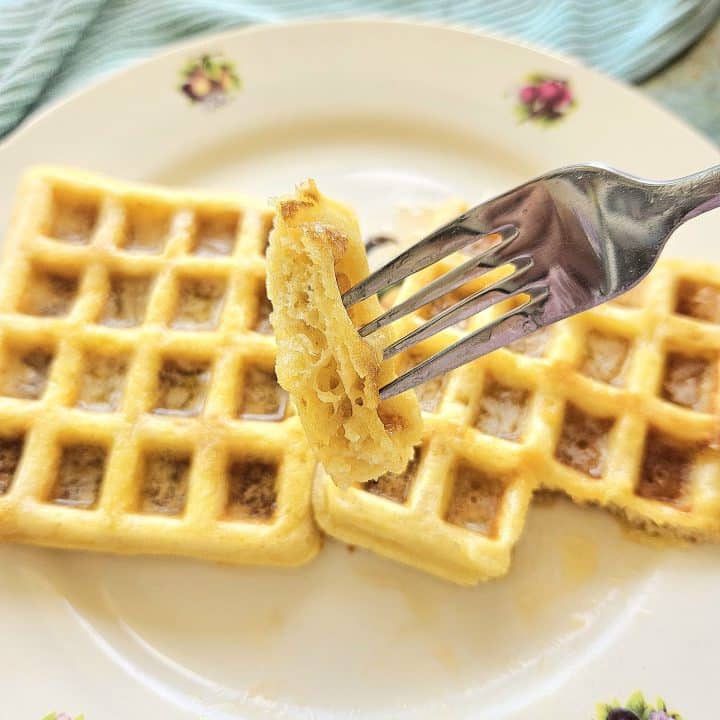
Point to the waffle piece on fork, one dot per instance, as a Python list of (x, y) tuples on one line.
[(332, 373)]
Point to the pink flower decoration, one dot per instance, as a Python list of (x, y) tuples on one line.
[(544, 98), (528, 94)]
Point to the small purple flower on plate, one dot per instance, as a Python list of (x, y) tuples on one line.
[(544, 99), (636, 708), (209, 80)]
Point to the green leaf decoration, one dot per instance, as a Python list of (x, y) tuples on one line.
[(235, 78), (603, 710), (522, 112), (636, 703), (536, 78), (188, 68)]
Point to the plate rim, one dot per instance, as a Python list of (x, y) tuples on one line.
[(30, 121)]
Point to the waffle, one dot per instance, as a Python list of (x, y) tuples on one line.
[(138, 403), (616, 407), (333, 374)]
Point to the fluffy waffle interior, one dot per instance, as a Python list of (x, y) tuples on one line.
[(616, 407), (139, 410), (334, 375)]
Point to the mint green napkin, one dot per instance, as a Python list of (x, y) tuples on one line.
[(48, 47)]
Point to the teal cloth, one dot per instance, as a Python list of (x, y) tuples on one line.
[(48, 47)]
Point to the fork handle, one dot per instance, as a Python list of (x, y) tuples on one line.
[(695, 194)]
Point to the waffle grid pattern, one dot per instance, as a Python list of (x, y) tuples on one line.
[(109, 286), (616, 407)]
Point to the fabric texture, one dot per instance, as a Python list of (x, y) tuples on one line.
[(48, 47)]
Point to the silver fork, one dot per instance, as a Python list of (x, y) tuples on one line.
[(575, 237)]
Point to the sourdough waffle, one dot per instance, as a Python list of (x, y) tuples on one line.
[(615, 407), (138, 403), (333, 374)]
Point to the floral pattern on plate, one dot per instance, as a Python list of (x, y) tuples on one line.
[(636, 708), (209, 80), (544, 99)]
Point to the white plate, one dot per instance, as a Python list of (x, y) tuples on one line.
[(382, 114)]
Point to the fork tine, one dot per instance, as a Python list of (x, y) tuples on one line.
[(447, 282), (506, 288), (439, 244), (508, 327)]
